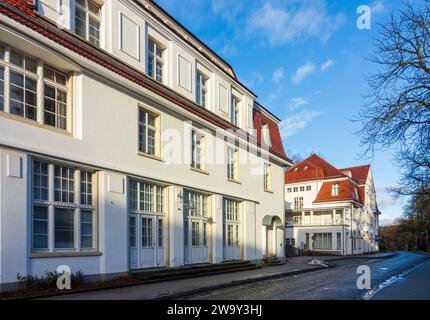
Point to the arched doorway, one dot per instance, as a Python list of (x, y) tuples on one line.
[(273, 227)]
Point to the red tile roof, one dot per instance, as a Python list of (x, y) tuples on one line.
[(312, 168), (347, 192), (359, 173), (22, 12)]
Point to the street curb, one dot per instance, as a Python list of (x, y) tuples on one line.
[(235, 283), (388, 256)]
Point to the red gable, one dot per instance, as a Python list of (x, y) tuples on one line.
[(313, 168), (347, 191), (359, 173), (275, 137), (22, 11)]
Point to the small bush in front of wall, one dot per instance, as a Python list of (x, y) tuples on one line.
[(48, 280)]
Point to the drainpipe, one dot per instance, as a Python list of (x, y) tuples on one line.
[(352, 240)]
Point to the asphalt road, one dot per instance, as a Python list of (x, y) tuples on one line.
[(339, 283)]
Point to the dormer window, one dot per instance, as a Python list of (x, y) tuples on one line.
[(234, 112), (201, 89), (155, 60), (335, 189), (266, 135), (87, 20)]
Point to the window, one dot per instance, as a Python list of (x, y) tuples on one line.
[(307, 241), (160, 233), (298, 203), (335, 189), (195, 234), (132, 231), (23, 86), (323, 241), (155, 61), (232, 164), (234, 112), (87, 21), (148, 132), (289, 190), (55, 98), (267, 177), (146, 232), (201, 89), (195, 204), (205, 234), (302, 189), (197, 150), (230, 235), (49, 105), (266, 135), (338, 241), (308, 188), (231, 210), (55, 199), (146, 198), (295, 189)]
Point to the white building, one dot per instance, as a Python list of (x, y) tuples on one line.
[(330, 210), (126, 143)]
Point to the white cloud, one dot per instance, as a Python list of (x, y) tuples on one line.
[(278, 74), (378, 7), (327, 64), (302, 72), (304, 19), (293, 124), (298, 102)]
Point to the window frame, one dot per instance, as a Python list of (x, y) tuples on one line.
[(298, 203), (233, 164), (54, 207), (148, 127), (235, 110), (156, 59), (38, 77), (88, 15), (137, 205), (335, 189), (198, 148), (202, 89), (267, 177)]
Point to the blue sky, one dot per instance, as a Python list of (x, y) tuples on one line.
[(305, 59)]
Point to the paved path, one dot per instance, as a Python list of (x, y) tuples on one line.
[(414, 285), (330, 284), (176, 287)]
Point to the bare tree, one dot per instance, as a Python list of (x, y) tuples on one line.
[(397, 109)]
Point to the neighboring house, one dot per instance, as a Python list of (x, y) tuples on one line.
[(331, 210), (126, 143)]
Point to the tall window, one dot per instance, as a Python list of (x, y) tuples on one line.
[(146, 232), (267, 177), (195, 204), (298, 203), (155, 60), (234, 112), (232, 164), (338, 241), (266, 135), (231, 211), (55, 98), (146, 198), (197, 150), (48, 106), (55, 199), (201, 89), (335, 189), (23, 86), (87, 20), (323, 241), (148, 133)]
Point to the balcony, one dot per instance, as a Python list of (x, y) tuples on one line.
[(324, 222)]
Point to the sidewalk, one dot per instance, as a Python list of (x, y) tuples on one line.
[(177, 288)]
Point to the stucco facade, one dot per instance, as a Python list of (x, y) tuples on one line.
[(88, 192)]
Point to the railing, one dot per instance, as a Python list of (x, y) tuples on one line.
[(325, 222)]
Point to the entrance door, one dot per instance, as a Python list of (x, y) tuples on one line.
[(196, 241), (147, 248)]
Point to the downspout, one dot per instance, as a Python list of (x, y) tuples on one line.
[(352, 240)]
